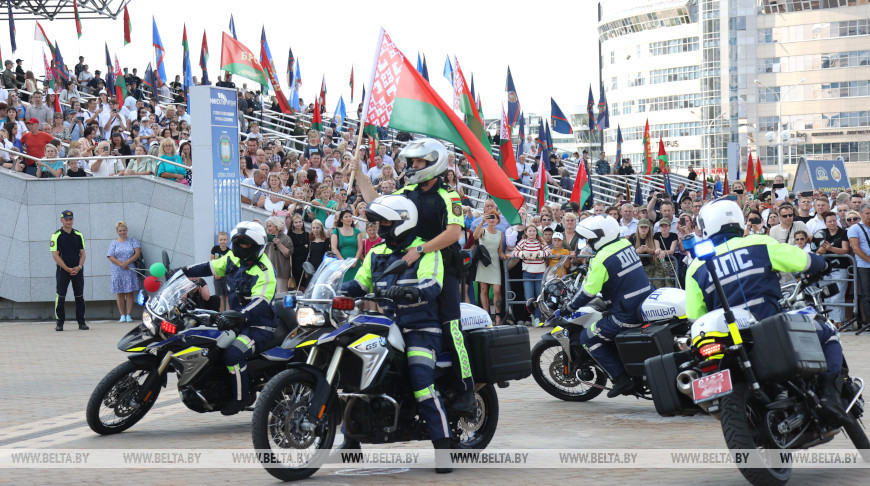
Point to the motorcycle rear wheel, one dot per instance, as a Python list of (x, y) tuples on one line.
[(116, 391), (741, 427), (477, 431), (548, 361), (277, 425)]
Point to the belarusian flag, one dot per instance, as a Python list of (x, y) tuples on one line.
[(759, 175), (663, 166), (49, 75), (120, 83), (582, 189), (541, 185), (704, 180), (506, 158), (726, 189), (239, 60), (322, 96), (39, 35), (464, 100), (647, 154), (401, 99), (78, 19), (351, 84), (750, 175), (373, 142), (128, 27), (316, 119)]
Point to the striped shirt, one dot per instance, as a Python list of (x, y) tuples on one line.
[(533, 261)]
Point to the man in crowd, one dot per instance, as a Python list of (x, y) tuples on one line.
[(112, 118), (601, 166), (249, 195), (95, 85), (8, 77), (805, 205), (34, 144), (692, 174), (68, 250), (627, 222), (80, 66), (38, 109), (818, 222), (787, 227)]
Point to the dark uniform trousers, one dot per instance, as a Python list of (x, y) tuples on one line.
[(63, 279), (422, 349), (236, 357)]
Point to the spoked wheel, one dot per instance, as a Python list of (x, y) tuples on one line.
[(476, 430), (280, 425), (743, 421), (114, 406), (562, 379), (855, 430)]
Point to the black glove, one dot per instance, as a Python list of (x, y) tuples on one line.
[(185, 271), (397, 292), (829, 267), (565, 310), (222, 323)]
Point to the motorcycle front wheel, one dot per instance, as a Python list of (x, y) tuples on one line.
[(279, 424), (113, 406), (742, 422), (549, 369)]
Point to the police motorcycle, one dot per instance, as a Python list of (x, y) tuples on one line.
[(357, 374), (565, 370), (176, 336), (759, 378)]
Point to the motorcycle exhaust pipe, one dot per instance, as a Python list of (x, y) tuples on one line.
[(684, 382)]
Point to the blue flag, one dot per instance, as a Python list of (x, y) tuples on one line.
[(558, 119), (294, 88), (589, 104), (290, 65), (473, 93), (618, 146), (188, 78), (110, 75), (419, 64), (603, 116), (638, 197), (513, 110), (448, 70), (543, 144), (233, 27), (58, 63), (159, 52), (425, 72), (149, 77), (522, 135), (340, 113), (11, 27)]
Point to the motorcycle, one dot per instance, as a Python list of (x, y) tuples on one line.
[(565, 370), (357, 374), (760, 379), (176, 336)]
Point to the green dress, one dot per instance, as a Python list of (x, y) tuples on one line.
[(320, 213), (347, 246)]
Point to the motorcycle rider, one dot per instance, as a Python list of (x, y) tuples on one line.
[(755, 286), (251, 282), (617, 273), (414, 295), (441, 222)]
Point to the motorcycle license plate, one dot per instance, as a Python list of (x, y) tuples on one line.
[(712, 386)]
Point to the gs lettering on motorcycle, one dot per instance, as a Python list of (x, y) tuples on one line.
[(628, 258)]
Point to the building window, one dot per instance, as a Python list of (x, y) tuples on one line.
[(673, 46), (671, 75), (613, 83), (612, 57)]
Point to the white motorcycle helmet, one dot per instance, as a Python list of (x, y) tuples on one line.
[(721, 215), (430, 150), (397, 209), (252, 233), (598, 231)]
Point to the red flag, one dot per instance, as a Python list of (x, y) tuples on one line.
[(725, 189), (78, 20), (316, 120), (704, 180), (506, 157), (373, 142), (322, 96), (128, 27), (647, 154), (239, 60), (750, 175), (541, 186), (582, 189), (351, 84), (273, 79)]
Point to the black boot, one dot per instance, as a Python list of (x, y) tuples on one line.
[(464, 403), (832, 404), (350, 444), (622, 385), (443, 463), (232, 407), (58, 327), (83, 326)]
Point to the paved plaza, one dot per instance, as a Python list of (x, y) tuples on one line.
[(48, 376)]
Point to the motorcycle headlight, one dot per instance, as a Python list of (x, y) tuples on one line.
[(308, 317), (148, 321)]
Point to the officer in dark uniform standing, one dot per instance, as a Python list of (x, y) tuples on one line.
[(440, 225), (68, 249)]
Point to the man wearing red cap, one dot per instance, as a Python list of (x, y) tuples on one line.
[(34, 142)]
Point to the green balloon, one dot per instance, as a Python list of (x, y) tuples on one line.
[(158, 270)]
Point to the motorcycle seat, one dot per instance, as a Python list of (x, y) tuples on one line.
[(286, 322)]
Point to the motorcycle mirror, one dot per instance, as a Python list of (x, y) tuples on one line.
[(166, 261), (141, 298), (830, 290), (396, 268), (308, 268)]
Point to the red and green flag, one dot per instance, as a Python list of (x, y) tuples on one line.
[(402, 99), (128, 26), (317, 119), (49, 73), (664, 167), (351, 84), (647, 154), (39, 36), (506, 158), (239, 60), (78, 19), (463, 100), (759, 175), (582, 187), (750, 175), (541, 186), (120, 83)]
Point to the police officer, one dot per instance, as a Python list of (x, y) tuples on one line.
[(441, 223), (617, 273), (68, 250), (414, 295), (251, 282), (755, 286)]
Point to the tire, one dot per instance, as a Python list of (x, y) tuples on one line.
[(477, 432), (549, 376), (288, 394), (741, 434), (114, 392)]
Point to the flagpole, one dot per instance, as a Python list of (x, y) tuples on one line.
[(359, 136)]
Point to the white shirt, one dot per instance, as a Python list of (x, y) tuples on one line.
[(109, 167), (521, 167), (185, 117), (4, 95), (104, 118), (375, 172), (388, 160), (130, 102), (814, 225), (630, 228)]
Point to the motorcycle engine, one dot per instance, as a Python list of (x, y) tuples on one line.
[(370, 419), (205, 399), (554, 293)]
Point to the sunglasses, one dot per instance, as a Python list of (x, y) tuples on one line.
[(800, 239), (852, 220), (546, 219), (789, 215)]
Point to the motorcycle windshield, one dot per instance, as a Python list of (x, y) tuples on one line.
[(326, 281), (173, 292), (553, 272)]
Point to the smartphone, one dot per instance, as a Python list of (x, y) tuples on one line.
[(807, 194), (738, 191), (778, 186), (732, 197)]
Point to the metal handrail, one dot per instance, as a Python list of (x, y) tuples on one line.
[(67, 160)]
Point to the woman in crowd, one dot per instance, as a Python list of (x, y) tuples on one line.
[(168, 170), (739, 188), (122, 252), (103, 100), (532, 250), (572, 239), (49, 166), (300, 240), (296, 207), (30, 84), (318, 243), (399, 164), (49, 98), (754, 224), (772, 219), (246, 167), (802, 241), (836, 242), (187, 157), (852, 218), (174, 132), (346, 241), (279, 250), (118, 147), (143, 166), (14, 117), (5, 157), (644, 244), (387, 174), (492, 240), (451, 182), (325, 199), (360, 212), (87, 142), (166, 134), (14, 102), (57, 126), (274, 204)]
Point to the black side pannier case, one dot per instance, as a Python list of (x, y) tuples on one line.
[(499, 354), (785, 346), (637, 345)]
